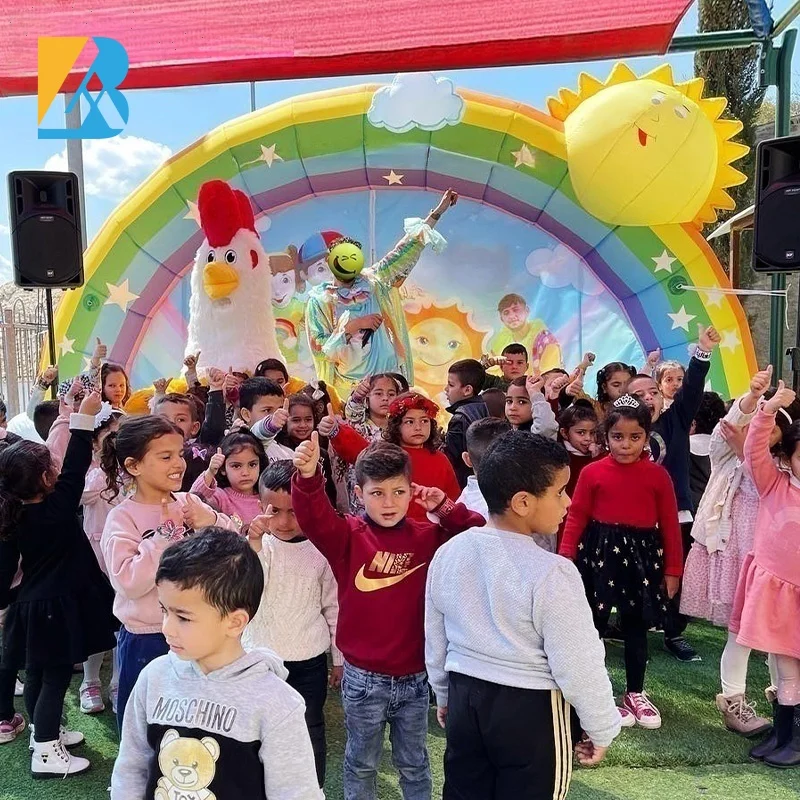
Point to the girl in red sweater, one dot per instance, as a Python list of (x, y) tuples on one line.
[(412, 425), (623, 534)]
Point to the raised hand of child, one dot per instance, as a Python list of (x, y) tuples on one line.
[(160, 385), (258, 528), (534, 383), (553, 390), (672, 585), (653, 358), (196, 514), (709, 338), (734, 436), (335, 679), (361, 392), (329, 423), (280, 416), (306, 456), (760, 382), (216, 379), (588, 360), (100, 352), (575, 388), (48, 377), (429, 497), (191, 361), (91, 404), (588, 753), (216, 462), (782, 398), (596, 449)]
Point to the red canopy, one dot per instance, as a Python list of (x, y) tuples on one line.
[(187, 42)]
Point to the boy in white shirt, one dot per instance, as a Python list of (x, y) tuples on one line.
[(299, 608)]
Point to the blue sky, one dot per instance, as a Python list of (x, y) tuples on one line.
[(164, 121)]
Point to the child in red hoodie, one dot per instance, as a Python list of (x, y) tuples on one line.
[(380, 561)]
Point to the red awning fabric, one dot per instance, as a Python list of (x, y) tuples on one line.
[(189, 42)]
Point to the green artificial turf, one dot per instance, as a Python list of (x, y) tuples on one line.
[(692, 756)]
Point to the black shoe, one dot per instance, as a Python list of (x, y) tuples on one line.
[(783, 718), (681, 649), (789, 754)]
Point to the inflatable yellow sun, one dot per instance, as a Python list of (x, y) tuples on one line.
[(648, 151)]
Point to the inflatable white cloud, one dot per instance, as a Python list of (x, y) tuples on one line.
[(416, 100), (559, 267)]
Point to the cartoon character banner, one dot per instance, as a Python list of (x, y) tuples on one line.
[(576, 229)]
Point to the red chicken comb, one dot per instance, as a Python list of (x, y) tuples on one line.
[(223, 211)]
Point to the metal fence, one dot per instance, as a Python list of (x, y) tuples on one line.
[(23, 333)]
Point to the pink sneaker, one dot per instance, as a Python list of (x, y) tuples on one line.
[(646, 714), (11, 728), (626, 718), (91, 699)]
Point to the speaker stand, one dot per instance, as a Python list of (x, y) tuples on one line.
[(51, 329), (794, 355)]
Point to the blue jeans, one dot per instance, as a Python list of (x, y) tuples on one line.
[(135, 651), (370, 701)]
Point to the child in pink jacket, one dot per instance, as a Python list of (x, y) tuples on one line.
[(149, 451), (766, 609)]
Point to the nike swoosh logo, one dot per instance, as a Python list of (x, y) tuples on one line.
[(365, 584)]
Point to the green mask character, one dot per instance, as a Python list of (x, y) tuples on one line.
[(346, 259)]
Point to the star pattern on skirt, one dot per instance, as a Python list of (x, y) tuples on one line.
[(646, 582), (580, 546), (611, 584), (616, 550)]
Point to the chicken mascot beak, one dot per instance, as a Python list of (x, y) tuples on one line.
[(219, 280)]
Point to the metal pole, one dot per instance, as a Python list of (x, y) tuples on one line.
[(783, 84), (51, 328), (75, 156), (252, 95), (713, 40)]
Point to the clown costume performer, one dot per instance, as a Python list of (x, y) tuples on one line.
[(356, 325)]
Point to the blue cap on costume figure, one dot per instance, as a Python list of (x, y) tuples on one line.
[(316, 247)]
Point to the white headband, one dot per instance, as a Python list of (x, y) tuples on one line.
[(787, 415)]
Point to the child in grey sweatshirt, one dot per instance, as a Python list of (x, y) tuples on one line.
[(209, 721), (515, 661)]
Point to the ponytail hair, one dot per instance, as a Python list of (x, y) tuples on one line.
[(131, 440), (22, 467)]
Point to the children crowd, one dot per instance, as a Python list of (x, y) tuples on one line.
[(254, 541)]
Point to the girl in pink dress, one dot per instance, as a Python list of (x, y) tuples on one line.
[(723, 532), (766, 608)]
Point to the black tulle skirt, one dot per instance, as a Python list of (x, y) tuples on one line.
[(623, 567), (66, 629)]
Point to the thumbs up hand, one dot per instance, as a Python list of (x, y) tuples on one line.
[(197, 514), (306, 456), (280, 416), (216, 462), (329, 424)]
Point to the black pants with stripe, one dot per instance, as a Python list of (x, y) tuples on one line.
[(505, 743)]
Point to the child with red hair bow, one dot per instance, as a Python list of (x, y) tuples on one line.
[(411, 425)]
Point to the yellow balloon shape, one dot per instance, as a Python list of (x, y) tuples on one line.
[(641, 153)]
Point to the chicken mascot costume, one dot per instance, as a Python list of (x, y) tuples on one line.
[(356, 324), (230, 310)]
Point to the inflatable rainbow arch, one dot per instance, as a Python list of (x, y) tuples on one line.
[(323, 161)]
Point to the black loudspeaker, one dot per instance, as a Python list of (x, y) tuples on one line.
[(45, 221), (776, 240)]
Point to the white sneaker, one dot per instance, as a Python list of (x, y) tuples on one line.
[(92, 698), (19, 688), (113, 694), (67, 738), (53, 760)]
